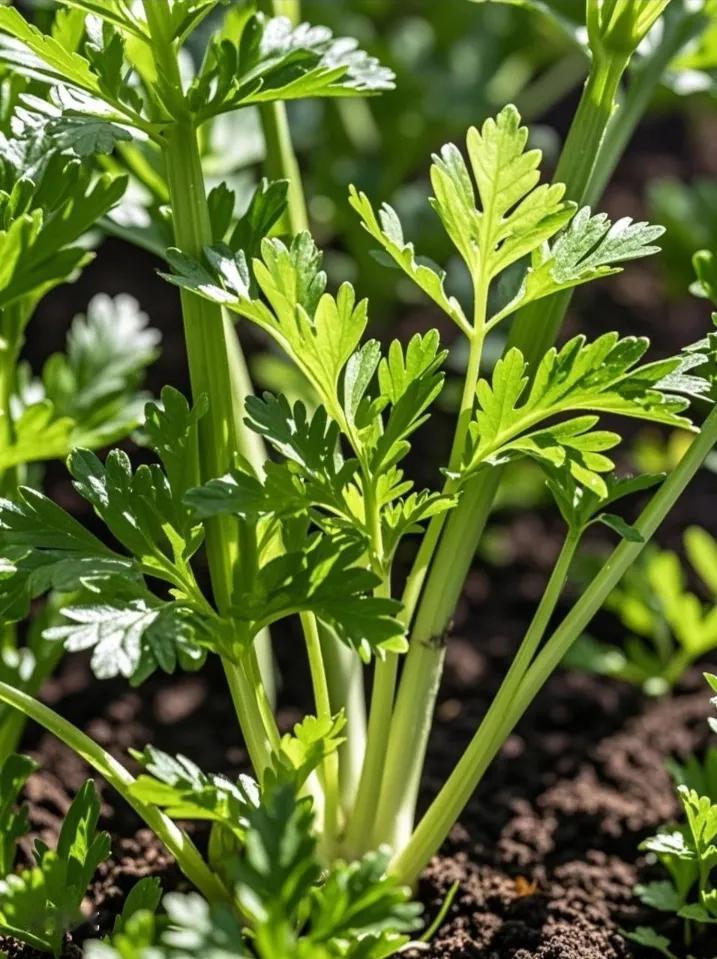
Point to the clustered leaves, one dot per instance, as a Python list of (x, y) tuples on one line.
[(355, 912), (670, 626), (687, 852), (40, 904)]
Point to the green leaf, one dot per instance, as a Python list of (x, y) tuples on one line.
[(409, 380), (38, 434), (580, 507), (701, 815), (172, 431), (181, 788), (517, 215), (45, 548), (701, 550), (45, 56), (39, 905), (356, 912), (645, 936), (581, 378), (43, 217), (135, 639), (587, 249), (96, 381), (144, 896), (304, 749), (140, 511), (386, 229), (324, 578), (273, 60), (14, 773), (618, 525), (113, 11), (405, 515), (318, 331), (360, 904), (266, 206), (660, 895)]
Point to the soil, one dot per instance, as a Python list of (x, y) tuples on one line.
[(546, 853)]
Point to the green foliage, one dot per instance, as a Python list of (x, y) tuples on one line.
[(688, 852), (42, 216), (131, 629), (584, 378), (354, 911), (88, 395), (271, 60), (41, 904), (180, 787), (97, 80), (513, 227), (14, 773), (669, 625)]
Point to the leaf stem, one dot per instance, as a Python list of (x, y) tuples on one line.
[(345, 677), (463, 527), (175, 839), (360, 824), (502, 718)]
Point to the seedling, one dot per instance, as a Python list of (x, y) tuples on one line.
[(313, 531), (41, 904), (687, 852), (670, 626)]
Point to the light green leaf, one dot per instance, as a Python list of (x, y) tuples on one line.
[(581, 378), (39, 905), (48, 59), (274, 60), (386, 229), (304, 749), (14, 773), (587, 249), (517, 215), (133, 640), (181, 788)]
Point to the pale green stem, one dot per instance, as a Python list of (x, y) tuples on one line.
[(330, 765), (344, 674), (210, 365), (399, 770), (464, 525), (500, 721), (384, 684), (177, 842), (680, 26)]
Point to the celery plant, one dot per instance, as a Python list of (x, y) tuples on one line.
[(313, 532)]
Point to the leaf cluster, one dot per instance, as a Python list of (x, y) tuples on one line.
[(687, 851), (670, 626), (130, 625), (105, 89), (293, 909), (39, 905), (520, 239)]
